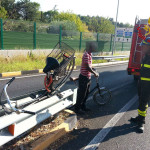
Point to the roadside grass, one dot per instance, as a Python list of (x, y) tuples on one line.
[(33, 62), (21, 63)]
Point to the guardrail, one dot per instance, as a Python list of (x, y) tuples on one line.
[(109, 57), (14, 125)]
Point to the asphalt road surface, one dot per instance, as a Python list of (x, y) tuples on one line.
[(103, 128)]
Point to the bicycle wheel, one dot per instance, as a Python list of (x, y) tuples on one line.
[(103, 97)]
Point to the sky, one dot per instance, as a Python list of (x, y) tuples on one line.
[(128, 9)]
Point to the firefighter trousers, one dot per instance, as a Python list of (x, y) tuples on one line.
[(144, 98)]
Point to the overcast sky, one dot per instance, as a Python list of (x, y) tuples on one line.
[(128, 9)]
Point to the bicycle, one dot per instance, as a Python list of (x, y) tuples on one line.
[(101, 96)]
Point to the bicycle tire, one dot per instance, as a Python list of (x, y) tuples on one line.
[(103, 97)]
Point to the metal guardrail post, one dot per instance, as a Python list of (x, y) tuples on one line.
[(122, 47), (80, 44), (111, 43), (1, 33), (34, 36), (97, 37), (60, 35)]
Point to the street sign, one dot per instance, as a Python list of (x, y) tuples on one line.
[(120, 32), (124, 34)]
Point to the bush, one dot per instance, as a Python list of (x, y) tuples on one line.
[(69, 28)]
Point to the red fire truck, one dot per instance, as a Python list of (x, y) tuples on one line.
[(136, 54)]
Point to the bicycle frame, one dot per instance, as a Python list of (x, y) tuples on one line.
[(96, 87)]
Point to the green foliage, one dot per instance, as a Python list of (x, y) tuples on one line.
[(10, 7), (14, 25), (3, 13), (121, 25), (23, 9), (101, 25), (72, 18), (27, 10), (98, 24), (21, 62), (48, 16), (67, 27), (23, 27)]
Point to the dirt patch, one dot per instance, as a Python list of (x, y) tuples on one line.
[(24, 141)]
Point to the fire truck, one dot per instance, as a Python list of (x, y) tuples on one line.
[(136, 54)]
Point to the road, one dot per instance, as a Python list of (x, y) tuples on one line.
[(106, 127)]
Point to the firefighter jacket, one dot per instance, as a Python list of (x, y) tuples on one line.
[(145, 69)]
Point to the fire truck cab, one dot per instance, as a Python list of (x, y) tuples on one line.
[(136, 54)]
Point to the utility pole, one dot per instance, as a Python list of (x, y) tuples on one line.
[(115, 30)]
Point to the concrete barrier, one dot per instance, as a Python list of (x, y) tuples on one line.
[(12, 53)]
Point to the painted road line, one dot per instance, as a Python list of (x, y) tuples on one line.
[(96, 141), (116, 88), (23, 77), (28, 76), (105, 66)]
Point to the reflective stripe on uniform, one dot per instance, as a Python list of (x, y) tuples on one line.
[(145, 79), (146, 66), (142, 113)]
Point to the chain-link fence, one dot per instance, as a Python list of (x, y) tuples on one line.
[(17, 34)]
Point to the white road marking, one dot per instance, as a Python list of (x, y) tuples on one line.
[(116, 88), (107, 66), (96, 141), (29, 76)]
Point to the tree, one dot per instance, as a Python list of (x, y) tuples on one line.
[(49, 16), (27, 10), (70, 17), (10, 7), (3, 13), (85, 19), (127, 25), (101, 25), (67, 27), (97, 24)]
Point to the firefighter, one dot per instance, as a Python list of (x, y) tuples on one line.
[(143, 87)]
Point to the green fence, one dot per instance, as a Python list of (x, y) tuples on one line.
[(17, 34)]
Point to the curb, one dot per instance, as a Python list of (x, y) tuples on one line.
[(68, 125), (19, 73), (110, 63)]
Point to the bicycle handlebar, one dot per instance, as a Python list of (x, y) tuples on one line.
[(9, 82), (18, 111)]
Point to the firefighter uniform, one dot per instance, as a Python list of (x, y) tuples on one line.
[(144, 88)]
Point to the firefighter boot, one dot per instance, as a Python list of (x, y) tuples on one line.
[(140, 128), (140, 121)]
